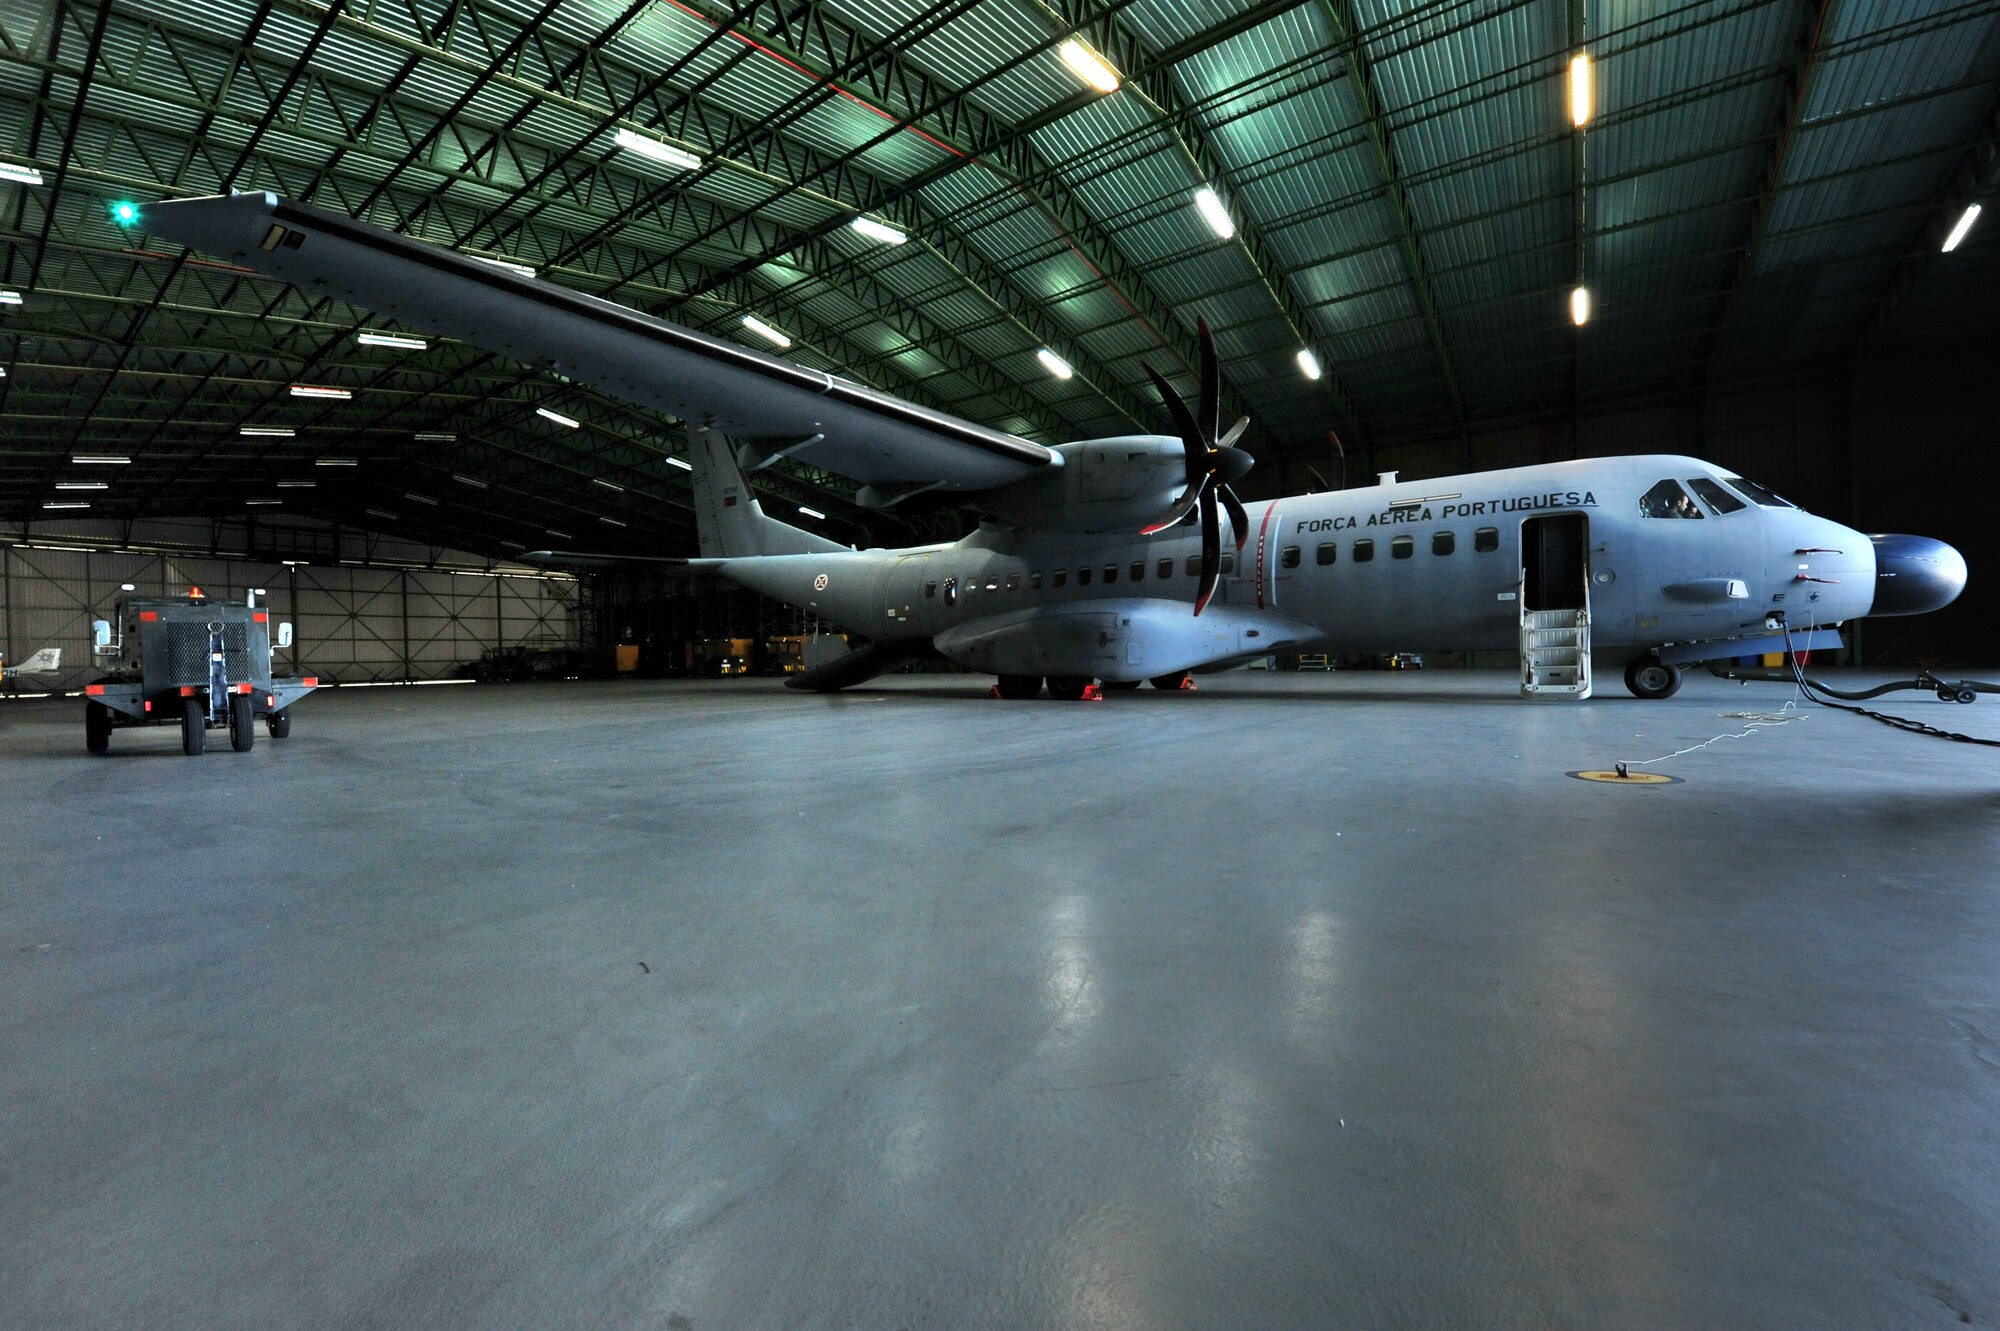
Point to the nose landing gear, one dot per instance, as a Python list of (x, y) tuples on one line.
[(1650, 677)]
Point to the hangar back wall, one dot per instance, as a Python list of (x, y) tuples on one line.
[(355, 622)]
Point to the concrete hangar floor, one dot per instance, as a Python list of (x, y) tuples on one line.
[(1298, 1001)]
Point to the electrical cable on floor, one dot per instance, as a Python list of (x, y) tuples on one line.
[(1753, 722), (1914, 727)]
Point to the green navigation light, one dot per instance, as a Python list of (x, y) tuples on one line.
[(124, 212)]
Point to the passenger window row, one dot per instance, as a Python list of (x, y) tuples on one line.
[(1485, 540)]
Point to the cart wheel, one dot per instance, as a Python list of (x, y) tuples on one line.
[(97, 728), (194, 723), (279, 724), (242, 723)]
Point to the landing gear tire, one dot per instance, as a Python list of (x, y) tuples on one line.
[(194, 725), (279, 724), (1122, 683), (1068, 688), (1169, 682), (1020, 686), (242, 723), (97, 728), (1650, 677)]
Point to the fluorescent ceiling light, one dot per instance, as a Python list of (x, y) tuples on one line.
[(609, 485), (1579, 306), (264, 503), (560, 535), (812, 512), (296, 485), (1089, 66), (10, 298), (765, 331), (664, 153), (1965, 221), (611, 522), (881, 231), (67, 503), (467, 480), (1582, 95), (420, 499), (682, 463), (1308, 364), (377, 513), (100, 460), (436, 437), (508, 264), (316, 390), (1055, 364), (390, 340), (267, 431), (20, 175), (558, 418), (81, 485), (1214, 212), (333, 462)]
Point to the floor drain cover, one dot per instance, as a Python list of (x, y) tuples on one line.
[(1629, 779)]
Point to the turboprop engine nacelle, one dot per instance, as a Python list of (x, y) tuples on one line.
[(1101, 485)]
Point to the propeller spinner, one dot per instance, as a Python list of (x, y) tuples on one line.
[(1212, 464)]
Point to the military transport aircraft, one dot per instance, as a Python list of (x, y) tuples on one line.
[(1105, 559)]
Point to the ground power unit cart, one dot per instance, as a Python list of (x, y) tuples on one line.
[(189, 662)]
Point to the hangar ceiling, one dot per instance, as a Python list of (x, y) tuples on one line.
[(1764, 184)]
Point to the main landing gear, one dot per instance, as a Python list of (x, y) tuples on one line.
[(1650, 677), (1076, 688)]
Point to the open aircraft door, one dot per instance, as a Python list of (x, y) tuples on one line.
[(1555, 606)]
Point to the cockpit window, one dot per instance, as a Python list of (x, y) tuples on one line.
[(1719, 500), (1759, 495), (1668, 500)]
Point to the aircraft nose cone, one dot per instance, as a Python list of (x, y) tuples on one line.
[(1915, 575), (1234, 464)]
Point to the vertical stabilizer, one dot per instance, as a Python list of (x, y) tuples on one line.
[(727, 515)]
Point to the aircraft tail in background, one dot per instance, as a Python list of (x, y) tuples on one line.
[(730, 521)]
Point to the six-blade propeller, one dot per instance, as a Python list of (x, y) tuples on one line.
[(1212, 464)]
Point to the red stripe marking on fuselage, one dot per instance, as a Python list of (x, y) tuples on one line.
[(1263, 544)]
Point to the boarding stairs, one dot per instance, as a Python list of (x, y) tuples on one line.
[(1555, 653)]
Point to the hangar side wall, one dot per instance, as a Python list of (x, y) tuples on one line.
[(353, 622)]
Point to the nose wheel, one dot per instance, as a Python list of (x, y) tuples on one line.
[(1650, 677)]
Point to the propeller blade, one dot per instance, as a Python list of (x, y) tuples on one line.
[(1182, 508), (1239, 517), (1234, 433), (1209, 409), (1191, 441), (1211, 552)]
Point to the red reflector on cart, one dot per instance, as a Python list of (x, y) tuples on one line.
[(93, 690), (270, 700), (243, 688), (260, 618), (312, 681), (149, 704), (149, 616), (187, 691)]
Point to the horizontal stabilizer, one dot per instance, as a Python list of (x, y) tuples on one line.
[(584, 558), (862, 664)]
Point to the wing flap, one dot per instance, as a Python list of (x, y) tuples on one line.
[(869, 436)]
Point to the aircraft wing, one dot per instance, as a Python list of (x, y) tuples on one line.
[(819, 418)]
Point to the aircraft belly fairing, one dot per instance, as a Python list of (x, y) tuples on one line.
[(1121, 638)]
